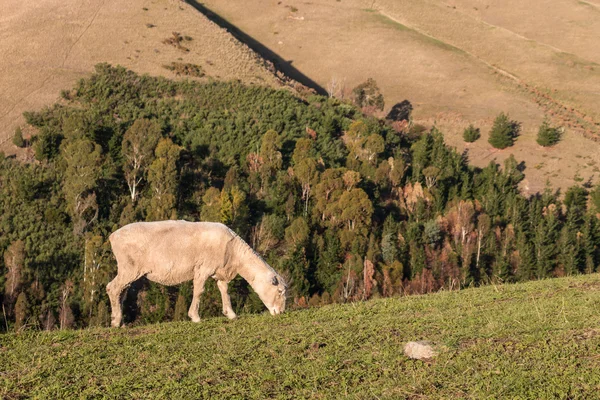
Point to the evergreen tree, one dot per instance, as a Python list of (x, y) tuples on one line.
[(18, 138), (389, 240), (329, 262), (503, 132), (471, 134), (21, 311), (548, 135)]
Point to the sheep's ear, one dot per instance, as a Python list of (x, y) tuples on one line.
[(275, 282)]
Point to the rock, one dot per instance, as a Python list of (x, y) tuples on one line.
[(420, 350)]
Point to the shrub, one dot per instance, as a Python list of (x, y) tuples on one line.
[(471, 134), (185, 69), (503, 132), (548, 135), (18, 138)]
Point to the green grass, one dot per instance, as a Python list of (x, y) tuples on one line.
[(537, 340)]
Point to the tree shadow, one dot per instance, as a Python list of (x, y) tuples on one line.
[(278, 62), (400, 111)]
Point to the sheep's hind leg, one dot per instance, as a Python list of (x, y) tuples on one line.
[(227, 309), (199, 281), (116, 290)]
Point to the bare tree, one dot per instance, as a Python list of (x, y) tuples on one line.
[(336, 87)]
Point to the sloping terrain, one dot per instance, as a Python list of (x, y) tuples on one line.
[(533, 340), (458, 62), (47, 45)]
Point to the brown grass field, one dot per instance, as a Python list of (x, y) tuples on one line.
[(457, 61), (47, 45)]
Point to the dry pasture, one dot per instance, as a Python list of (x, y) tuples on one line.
[(457, 61), (47, 45)]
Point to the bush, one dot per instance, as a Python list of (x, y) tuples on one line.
[(18, 138), (504, 132), (471, 134), (548, 135)]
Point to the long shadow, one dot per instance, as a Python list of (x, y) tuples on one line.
[(268, 54)]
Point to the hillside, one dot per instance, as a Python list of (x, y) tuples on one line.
[(344, 206), (531, 341), (457, 62), (48, 45)]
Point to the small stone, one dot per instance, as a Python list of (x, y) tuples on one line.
[(420, 350)]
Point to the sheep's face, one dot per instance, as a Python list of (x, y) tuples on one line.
[(273, 294)]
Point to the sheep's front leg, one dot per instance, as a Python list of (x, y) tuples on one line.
[(227, 309), (199, 281)]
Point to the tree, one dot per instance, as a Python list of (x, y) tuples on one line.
[(163, 179), (270, 155), (356, 209), (14, 260), (595, 198), (374, 145), (431, 174), (548, 135), (367, 94), (328, 191), (21, 311), (138, 146), (471, 134), (18, 138), (83, 158), (389, 240), (181, 309), (211, 209), (65, 314), (297, 233), (94, 277), (234, 209), (305, 169), (503, 132)]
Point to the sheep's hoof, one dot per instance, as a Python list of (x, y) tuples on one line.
[(195, 319), (230, 315)]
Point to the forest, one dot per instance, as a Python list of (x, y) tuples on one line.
[(346, 206)]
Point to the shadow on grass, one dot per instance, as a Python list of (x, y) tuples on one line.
[(266, 53)]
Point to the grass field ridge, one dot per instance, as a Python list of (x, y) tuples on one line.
[(538, 339)]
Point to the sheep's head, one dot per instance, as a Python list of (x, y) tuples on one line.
[(273, 293)]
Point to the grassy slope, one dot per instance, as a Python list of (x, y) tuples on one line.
[(534, 340)]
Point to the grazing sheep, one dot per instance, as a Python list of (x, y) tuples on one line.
[(172, 252)]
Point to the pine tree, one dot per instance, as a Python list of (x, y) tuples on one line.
[(504, 131), (548, 135), (471, 134), (18, 138), (329, 262), (389, 240), (21, 311)]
